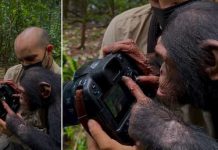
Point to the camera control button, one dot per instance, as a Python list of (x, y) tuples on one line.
[(96, 92), (81, 82), (93, 86), (85, 82)]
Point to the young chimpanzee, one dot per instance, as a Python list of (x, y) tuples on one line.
[(189, 74), (41, 89)]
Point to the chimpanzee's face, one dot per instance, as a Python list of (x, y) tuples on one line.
[(170, 89), (23, 98), (35, 96)]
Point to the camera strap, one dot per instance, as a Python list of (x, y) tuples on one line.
[(81, 113)]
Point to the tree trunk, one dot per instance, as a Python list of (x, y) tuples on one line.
[(83, 8), (65, 8)]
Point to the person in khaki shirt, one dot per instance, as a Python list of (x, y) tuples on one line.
[(29, 52), (131, 24), (136, 24), (32, 48)]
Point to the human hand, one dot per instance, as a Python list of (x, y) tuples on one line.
[(101, 141), (130, 48)]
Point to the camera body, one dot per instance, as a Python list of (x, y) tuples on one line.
[(6, 94), (105, 97)]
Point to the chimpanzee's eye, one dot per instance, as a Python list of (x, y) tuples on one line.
[(158, 60)]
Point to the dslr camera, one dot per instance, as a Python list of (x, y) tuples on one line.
[(6, 94), (105, 97)]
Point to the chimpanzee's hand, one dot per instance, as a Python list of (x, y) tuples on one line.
[(143, 101), (11, 83), (136, 91), (13, 121), (152, 123), (130, 48), (149, 81)]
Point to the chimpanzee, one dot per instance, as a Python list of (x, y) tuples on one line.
[(40, 89), (189, 75)]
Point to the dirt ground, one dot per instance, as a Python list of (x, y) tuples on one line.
[(92, 45)]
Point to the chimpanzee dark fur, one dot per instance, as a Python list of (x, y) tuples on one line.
[(156, 125), (34, 138)]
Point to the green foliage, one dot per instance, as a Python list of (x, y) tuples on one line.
[(75, 136), (69, 67), (16, 15), (100, 11)]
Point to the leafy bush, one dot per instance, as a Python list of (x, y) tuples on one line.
[(69, 67), (16, 15)]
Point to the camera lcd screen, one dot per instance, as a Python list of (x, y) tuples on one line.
[(116, 100)]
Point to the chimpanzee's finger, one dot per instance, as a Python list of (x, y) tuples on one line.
[(154, 80), (135, 89), (18, 96), (126, 41), (3, 124), (7, 108), (6, 81), (115, 48), (9, 82), (19, 115), (124, 46)]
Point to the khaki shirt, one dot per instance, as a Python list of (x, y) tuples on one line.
[(15, 72), (36, 119), (131, 24), (134, 24)]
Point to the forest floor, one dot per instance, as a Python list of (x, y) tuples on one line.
[(72, 36)]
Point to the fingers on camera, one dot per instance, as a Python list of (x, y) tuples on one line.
[(134, 88), (7, 108), (148, 79), (123, 46)]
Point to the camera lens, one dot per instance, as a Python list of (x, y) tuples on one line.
[(69, 112)]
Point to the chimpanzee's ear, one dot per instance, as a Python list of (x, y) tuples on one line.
[(45, 89), (212, 46)]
